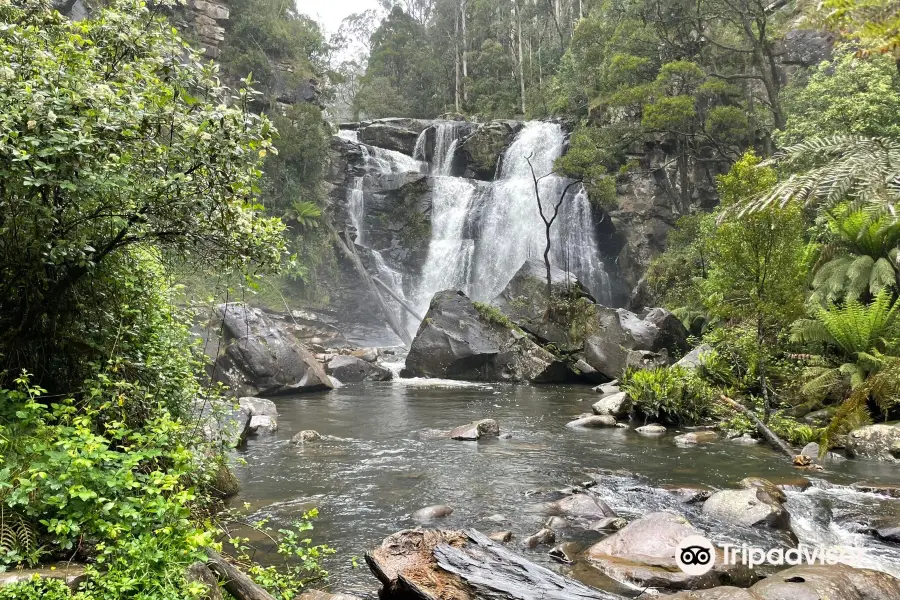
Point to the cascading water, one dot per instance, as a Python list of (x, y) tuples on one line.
[(481, 235)]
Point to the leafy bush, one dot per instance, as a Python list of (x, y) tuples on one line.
[(36, 589), (671, 395)]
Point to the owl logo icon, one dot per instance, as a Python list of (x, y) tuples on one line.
[(695, 555)]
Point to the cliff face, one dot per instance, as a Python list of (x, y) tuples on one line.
[(200, 21)]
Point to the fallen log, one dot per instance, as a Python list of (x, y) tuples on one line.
[(235, 582), (766, 433), (466, 565)]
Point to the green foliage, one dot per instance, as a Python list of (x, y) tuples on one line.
[(127, 150), (873, 23), (585, 160), (858, 259), (493, 315), (36, 589), (300, 559), (756, 261), (670, 395), (674, 277), (849, 95)]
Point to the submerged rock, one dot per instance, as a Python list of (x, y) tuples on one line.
[(544, 537), (593, 421), (695, 438), (643, 553), (438, 511), (653, 429), (582, 506), (501, 536), (307, 435), (476, 430), (750, 507), (618, 405), (880, 442), (353, 369), (261, 358), (461, 340)]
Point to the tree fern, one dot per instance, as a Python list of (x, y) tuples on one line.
[(18, 541), (863, 170)]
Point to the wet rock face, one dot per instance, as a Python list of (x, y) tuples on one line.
[(806, 47), (880, 442), (524, 301), (260, 358), (643, 552), (396, 134), (459, 341), (481, 151)]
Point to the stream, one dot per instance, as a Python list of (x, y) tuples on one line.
[(385, 454)]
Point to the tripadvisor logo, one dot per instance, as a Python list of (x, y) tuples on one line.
[(696, 555)]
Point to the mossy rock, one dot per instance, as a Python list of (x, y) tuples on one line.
[(482, 150)]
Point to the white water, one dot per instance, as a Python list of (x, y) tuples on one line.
[(482, 236)]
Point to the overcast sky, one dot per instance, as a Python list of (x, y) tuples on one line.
[(330, 13)]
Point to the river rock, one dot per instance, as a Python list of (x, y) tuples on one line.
[(653, 429), (476, 430), (744, 440), (544, 537), (459, 340), (810, 582), (593, 421), (263, 424), (695, 438), (775, 492), (481, 150), (555, 523), (882, 489), (566, 552), (608, 524), (307, 435), (583, 506), (366, 354), (352, 369), (621, 338), (750, 507), (694, 358), (429, 513), (607, 388), (261, 358), (618, 405), (259, 407), (72, 574), (643, 553), (396, 134), (501, 536), (524, 301), (222, 421), (880, 442), (811, 450)]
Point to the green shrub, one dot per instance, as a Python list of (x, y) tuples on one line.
[(493, 315), (671, 395), (36, 589)]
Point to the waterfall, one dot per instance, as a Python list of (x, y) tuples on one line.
[(446, 138), (357, 206), (481, 237)]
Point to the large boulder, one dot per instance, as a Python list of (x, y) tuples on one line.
[(397, 134), (694, 359), (258, 407), (620, 338), (810, 582), (351, 369), (753, 507), (643, 553), (481, 151), (880, 442), (524, 301), (460, 339), (262, 359)]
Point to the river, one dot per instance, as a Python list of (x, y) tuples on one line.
[(385, 454)]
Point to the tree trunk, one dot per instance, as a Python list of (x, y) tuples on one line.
[(235, 582), (349, 251), (521, 68), (766, 68), (767, 434), (466, 565), (456, 43), (465, 60), (547, 264)]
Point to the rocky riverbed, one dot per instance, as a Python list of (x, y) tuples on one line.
[(559, 495)]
